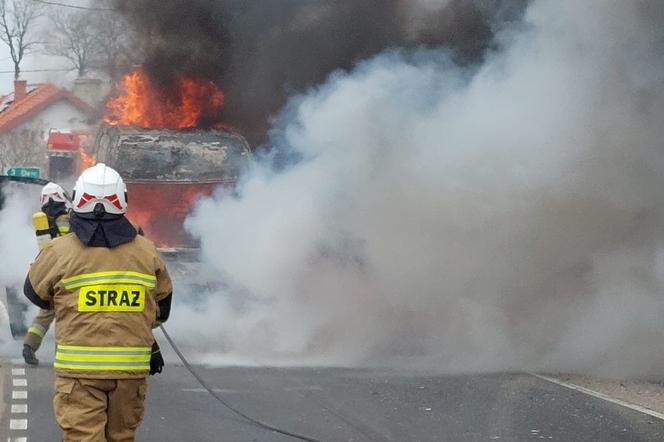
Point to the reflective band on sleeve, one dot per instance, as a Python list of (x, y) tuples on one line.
[(38, 330), (63, 230), (73, 357), (118, 277)]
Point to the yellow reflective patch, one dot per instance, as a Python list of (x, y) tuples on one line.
[(36, 331), (111, 298)]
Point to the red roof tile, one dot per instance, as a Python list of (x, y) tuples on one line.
[(34, 102)]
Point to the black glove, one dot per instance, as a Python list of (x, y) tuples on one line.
[(156, 360)]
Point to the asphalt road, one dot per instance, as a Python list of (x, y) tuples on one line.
[(334, 404)]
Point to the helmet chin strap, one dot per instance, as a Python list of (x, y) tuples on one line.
[(98, 214), (99, 210)]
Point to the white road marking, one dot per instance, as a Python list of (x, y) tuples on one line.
[(18, 424), (19, 408), (19, 380), (19, 394), (602, 396)]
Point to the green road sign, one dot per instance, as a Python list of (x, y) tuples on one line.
[(24, 172)]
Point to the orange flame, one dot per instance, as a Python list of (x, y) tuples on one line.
[(86, 160), (143, 103), (161, 208)]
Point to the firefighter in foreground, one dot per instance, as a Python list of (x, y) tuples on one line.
[(51, 222), (108, 287)]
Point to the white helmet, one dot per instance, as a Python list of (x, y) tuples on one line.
[(100, 185), (54, 192)]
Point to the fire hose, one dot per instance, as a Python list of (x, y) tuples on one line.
[(246, 418)]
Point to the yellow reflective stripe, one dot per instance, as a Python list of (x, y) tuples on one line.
[(60, 365), (102, 358), (114, 277), (111, 273), (80, 357), (102, 349), (110, 280), (110, 277), (36, 331), (63, 229)]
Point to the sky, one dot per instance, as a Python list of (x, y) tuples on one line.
[(36, 61)]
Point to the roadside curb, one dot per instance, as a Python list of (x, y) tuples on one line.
[(602, 396)]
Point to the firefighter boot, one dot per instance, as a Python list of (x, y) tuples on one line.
[(29, 356)]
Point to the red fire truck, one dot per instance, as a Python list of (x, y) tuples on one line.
[(64, 148)]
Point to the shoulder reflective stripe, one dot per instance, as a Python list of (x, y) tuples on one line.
[(110, 277), (35, 330), (77, 357), (110, 280), (116, 277)]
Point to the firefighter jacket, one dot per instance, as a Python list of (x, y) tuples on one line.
[(105, 301)]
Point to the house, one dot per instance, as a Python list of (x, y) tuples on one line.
[(29, 113)]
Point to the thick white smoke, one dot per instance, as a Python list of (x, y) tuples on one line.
[(17, 237), (18, 248), (507, 216)]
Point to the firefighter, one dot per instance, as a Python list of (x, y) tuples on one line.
[(51, 222), (107, 286)]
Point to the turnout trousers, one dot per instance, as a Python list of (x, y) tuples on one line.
[(99, 410)]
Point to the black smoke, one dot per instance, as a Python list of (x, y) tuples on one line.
[(263, 51)]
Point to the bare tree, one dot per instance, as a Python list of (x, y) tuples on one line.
[(99, 40), (74, 37), (24, 147), (16, 20), (118, 47)]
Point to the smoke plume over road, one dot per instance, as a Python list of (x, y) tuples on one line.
[(501, 216)]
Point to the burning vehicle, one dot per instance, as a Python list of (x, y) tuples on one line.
[(167, 170), (167, 143)]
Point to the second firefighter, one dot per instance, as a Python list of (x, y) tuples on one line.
[(52, 221)]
